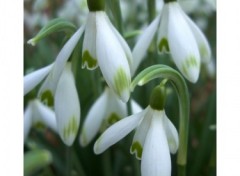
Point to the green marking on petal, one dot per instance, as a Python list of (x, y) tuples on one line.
[(39, 125), (113, 118), (191, 61), (163, 45), (71, 128), (137, 149), (47, 98), (121, 81), (89, 60)]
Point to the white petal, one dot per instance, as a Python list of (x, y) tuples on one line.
[(135, 107), (67, 106), (94, 120), (116, 109), (156, 157), (33, 79), (182, 44), (203, 45), (116, 132), (162, 40), (44, 114), (143, 43), (89, 57), (140, 134), (112, 59), (123, 43), (172, 135), (50, 84), (27, 120)]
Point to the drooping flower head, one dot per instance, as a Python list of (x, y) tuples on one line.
[(107, 110), (178, 35), (154, 139), (103, 46)]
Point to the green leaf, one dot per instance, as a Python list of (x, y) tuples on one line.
[(55, 25), (35, 160)]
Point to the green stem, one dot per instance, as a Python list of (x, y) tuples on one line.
[(107, 169), (68, 160), (162, 71), (77, 164), (116, 11), (151, 10)]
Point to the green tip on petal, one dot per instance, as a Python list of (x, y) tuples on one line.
[(163, 45), (71, 128), (39, 125), (122, 83), (84, 140), (190, 62), (113, 118), (47, 98), (137, 149), (88, 60), (203, 51)]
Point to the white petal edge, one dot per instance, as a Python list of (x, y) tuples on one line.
[(123, 43), (182, 44), (163, 28), (141, 133), (112, 59), (67, 107), (89, 42), (93, 120), (143, 43), (203, 45), (136, 108), (52, 79), (27, 120), (31, 80), (156, 158), (172, 135), (45, 115), (116, 132)]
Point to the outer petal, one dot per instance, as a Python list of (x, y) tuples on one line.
[(112, 59), (33, 79), (94, 120), (203, 45), (116, 132), (172, 135), (156, 157), (44, 114), (67, 107), (182, 44), (143, 43), (163, 31), (89, 57), (116, 109), (48, 88), (136, 108), (27, 120), (122, 42), (141, 133)]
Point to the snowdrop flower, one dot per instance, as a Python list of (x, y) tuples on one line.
[(154, 139), (107, 110), (178, 35), (37, 114), (58, 90), (103, 46)]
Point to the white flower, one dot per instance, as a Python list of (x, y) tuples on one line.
[(104, 46), (107, 110), (153, 141), (59, 91), (178, 35), (37, 114)]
